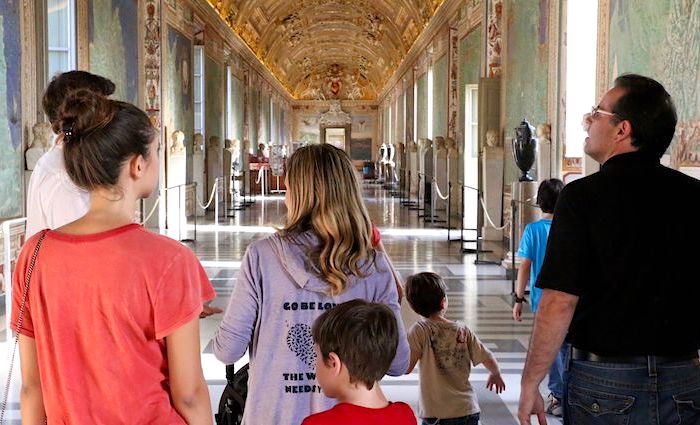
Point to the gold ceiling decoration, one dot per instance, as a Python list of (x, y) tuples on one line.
[(329, 49)]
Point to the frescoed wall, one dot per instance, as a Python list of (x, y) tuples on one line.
[(254, 117), (265, 116), (237, 109), (422, 107), (660, 39), (440, 97), (400, 129), (214, 98), (469, 72), (178, 96), (308, 130), (113, 35), (10, 110), (526, 64)]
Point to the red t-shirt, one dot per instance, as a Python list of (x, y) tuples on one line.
[(349, 414), (376, 236), (99, 308)]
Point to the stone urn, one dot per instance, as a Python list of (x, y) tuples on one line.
[(524, 149)]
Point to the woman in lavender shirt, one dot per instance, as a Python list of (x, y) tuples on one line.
[(321, 257)]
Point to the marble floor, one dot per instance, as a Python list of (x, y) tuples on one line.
[(478, 294)]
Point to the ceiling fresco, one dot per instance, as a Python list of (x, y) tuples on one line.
[(329, 49)]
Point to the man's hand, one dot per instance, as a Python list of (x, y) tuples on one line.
[(208, 311), (531, 402), (495, 381), (518, 312)]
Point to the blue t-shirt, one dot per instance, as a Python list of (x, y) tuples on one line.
[(533, 246)]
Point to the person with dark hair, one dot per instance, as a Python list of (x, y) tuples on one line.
[(446, 350), (52, 198), (616, 286), (108, 323), (322, 256), (355, 343), (531, 252)]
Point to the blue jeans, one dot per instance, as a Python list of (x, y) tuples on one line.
[(556, 373), (464, 420), (616, 393)]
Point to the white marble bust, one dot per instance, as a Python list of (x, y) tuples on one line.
[(42, 141), (177, 146), (452, 146), (198, 143)]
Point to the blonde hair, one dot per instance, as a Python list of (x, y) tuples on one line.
[(323, 195)]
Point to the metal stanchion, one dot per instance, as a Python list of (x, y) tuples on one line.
[(513, 222), (449, 209), (180, 210)]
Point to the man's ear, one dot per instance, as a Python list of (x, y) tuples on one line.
[(136, 166), (335, 363), (624, 130)]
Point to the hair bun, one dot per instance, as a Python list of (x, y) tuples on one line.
[(84, 111)]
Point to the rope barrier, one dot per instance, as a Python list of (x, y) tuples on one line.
[(488, 218), (211, 198), (439, 193), (153, 210)]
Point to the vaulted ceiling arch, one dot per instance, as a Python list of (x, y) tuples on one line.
[(344, 49)]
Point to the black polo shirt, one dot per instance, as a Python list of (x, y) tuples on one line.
[(626, 241)]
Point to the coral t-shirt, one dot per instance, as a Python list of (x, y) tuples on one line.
[(99, 308), (350, 414), (376, 236)]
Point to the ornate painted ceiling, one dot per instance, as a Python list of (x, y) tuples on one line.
[(329, 49)]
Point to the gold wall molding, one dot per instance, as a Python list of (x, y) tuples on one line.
[(602, 76)]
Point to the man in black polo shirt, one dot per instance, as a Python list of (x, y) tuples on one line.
[(620, 274)]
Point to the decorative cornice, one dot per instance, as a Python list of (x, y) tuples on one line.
[(237, 45), (447, 10)]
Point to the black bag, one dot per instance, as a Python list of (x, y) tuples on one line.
[(233, 398)]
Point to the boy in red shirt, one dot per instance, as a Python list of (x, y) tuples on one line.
[(355, 343)]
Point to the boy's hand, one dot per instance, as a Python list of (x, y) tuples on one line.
[(518, 312), (496, 381)]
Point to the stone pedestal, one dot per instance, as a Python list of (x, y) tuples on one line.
[(525, 194), (492, 174), (454, 165), (544, 159), (176, 195), (413, 168), (228, 173), (198, 176), (441, 170), (426, 163)]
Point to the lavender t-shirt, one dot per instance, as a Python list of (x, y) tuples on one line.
[(275, 301)]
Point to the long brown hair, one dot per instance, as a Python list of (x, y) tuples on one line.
[(325, 196)]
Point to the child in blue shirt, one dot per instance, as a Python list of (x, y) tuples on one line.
[(532, 248)]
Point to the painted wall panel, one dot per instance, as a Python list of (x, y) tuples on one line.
[(469, 71), (440, 97), (10, 110), (113, 35), (526, 73), (213, 99), (422, 107), (661, 40)]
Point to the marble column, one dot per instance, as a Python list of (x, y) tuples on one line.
[(492, 174)]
